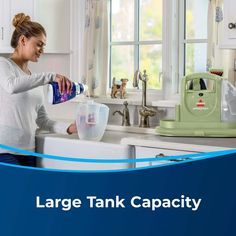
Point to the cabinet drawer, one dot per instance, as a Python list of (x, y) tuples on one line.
[(228, 26), (144, 152)]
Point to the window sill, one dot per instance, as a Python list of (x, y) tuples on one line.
[(133, 98), (165, 103), (107, 100)]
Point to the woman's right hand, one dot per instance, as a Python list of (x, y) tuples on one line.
[(64, 84)]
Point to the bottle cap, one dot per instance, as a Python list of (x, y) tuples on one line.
[(50, 93)]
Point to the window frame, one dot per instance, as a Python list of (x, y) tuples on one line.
[(183, 41), (173, 28), (136, 43)]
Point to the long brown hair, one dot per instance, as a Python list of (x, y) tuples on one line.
[(24, 26)]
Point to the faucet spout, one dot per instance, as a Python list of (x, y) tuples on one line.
[(144, 92), (138, 76), (136, 79), (144, 112)]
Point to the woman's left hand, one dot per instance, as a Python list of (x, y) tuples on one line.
[(72, 128)]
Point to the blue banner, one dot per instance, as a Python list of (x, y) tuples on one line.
[(187, 198)]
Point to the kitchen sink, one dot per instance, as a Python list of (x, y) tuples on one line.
[(70, 146)]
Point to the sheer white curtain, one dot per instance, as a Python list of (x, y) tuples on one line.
[(93, 45), (216, 57)]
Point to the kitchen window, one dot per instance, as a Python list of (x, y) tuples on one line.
[(140, 38), (168, 38), (136, 40)]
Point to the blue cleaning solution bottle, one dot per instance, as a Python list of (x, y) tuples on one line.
[(55, 97)]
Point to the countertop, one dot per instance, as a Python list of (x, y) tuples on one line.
[(195, 144), (152, 140), (111, 137)]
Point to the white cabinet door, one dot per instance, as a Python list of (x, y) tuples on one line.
[(228, 32), (61, 145), (145, 152), (22, 6), (54, 15), (5, 18), (8, 9)]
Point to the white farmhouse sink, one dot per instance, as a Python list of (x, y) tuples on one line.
[(70, 146)]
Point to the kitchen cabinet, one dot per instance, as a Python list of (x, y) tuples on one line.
[(53, 15), (146, 152), (122, 145), (228, 30), (4, 21), (70, 147), (8, 9)]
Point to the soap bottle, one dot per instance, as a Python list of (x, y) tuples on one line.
[(55, 97)]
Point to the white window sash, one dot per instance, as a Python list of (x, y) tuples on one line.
[(153, 93), (180, 14)]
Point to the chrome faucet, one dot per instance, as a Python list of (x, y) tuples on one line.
[(124, 114), (145, 111)]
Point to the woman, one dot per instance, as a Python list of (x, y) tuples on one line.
[(21, 95)]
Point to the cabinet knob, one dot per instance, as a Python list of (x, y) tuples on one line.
[(159, 155), (180, 159), (232, 25)]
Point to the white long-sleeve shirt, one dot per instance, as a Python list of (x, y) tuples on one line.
[(21, 107)]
